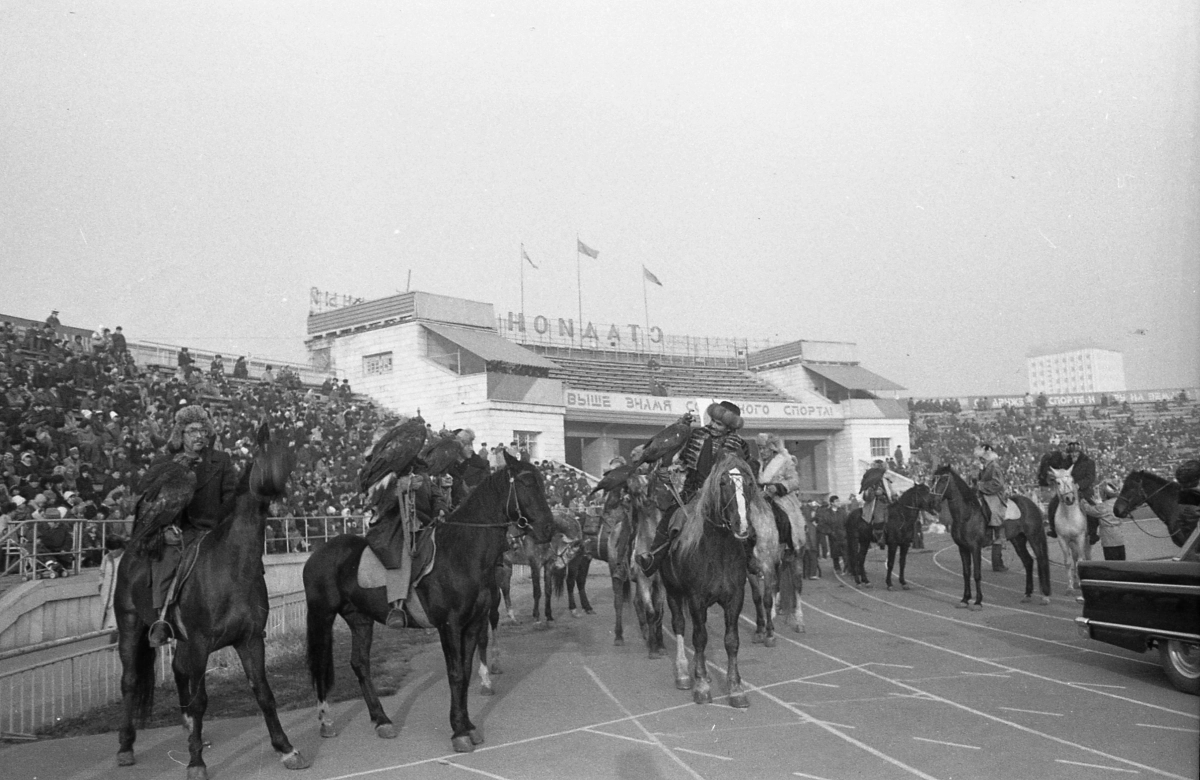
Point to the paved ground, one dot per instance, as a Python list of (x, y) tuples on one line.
[(883, 684)]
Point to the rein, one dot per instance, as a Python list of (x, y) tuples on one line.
[(1145, 499), (522, 522)]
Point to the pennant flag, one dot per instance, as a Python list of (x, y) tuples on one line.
[(650, 277), (526, 256), (587, 250)]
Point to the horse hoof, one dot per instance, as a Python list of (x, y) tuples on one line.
[(702, 697), (975, 607), (487, 690), (385, 731), (1045, 602), (574, 613), (798, 628), (494, 668), (1026, 599), (961, 605), (655, 655), (866, 585), (889, 586), (904, 586), (462, 744), (619, 642), (126, 758), (589, 611), (476, 736), (327, 730), (756, 639), (683, 683), (197, 773), (769, 642), (739, 700), (295, 760)]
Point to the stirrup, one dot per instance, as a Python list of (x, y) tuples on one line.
[(648, 563), (397, 616), (156, 637)]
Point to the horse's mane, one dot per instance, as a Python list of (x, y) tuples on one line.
[(964, 490), (1151, 475), (708, 500)]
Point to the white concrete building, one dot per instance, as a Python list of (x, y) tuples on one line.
[(1090, 369)]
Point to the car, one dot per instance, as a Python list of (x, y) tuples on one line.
[(1148, 605)]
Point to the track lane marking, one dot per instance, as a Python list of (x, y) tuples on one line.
[(699, 753), (466, 768), (951, 744), (1168, 728), (972, 710), (809, 777), (1033, 712), (1096, 766), (617, 736)]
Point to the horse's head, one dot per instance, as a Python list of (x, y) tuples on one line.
[(917, 499), (735, 491), (1064, 485), (273, 463), (525, 504)]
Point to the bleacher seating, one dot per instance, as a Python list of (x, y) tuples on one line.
[(613, 376)]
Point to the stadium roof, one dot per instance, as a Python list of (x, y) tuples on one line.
[(489, 345), (853, 377)]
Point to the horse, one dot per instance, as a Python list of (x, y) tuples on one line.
[(1071, 526), (1162, 496), (961, 512), (222, 602), (458, 594), (707, 565), (1025, 533), (547, 565), (859, 539), (776, 570), (903, 514), (649, 498)]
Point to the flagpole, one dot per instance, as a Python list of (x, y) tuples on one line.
[(521, 262), (646, 303), (579, 289)]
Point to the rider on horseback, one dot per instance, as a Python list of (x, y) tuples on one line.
[(1083, 471), (778, 476), (990, 486), (216, 482), (702, 450), (877, 494)]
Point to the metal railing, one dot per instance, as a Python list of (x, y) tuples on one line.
[(42, 694)]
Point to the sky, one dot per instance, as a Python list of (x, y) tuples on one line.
[(950, 185)]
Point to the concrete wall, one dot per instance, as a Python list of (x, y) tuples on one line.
[(850, 448), (45, 610)]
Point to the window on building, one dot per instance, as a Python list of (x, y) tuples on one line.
[(881, 448), (527, 440), (379, 363)]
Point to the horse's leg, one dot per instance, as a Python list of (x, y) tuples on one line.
[(756, 595), (639, 600), (458, 674), (320, 660), (770, 589), (582, 580), (798, 588), (137, 682), (252, 652), (482, 638), (864, 547), (183, 690), (891, 561), (535, 576), (654, 617), (505, 581), (192, 661), (903, 561), (683, 675), (362, 634), (977, 559), (1022, 551), (733, 610), (619, 590), (570, 578), (964, 557), (702, 694), (1041, 551), (548, 590)]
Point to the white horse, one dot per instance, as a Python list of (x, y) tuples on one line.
[(1070, 525)]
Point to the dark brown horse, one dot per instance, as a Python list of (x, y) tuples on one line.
[(1162, 495), (222, 602), (706, 566), (858, 541), (459, 594), (961, 512)]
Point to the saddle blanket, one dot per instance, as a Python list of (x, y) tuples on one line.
[(1012, 510)]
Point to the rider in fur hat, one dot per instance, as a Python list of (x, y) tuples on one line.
[(697, 457), (190, 444), (992, 491)]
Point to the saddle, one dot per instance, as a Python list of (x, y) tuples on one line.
[(373, 574), (187, 562)]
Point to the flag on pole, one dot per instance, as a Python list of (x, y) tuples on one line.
[(526, 256), (650, 277), (587, 250)]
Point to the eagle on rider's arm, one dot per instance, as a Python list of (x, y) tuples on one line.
[(666, 444), (165, 490), (395, 454)]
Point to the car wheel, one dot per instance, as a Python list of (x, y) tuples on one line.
[(1181, 662)]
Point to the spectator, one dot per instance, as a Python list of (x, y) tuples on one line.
[(119, 347), (268, 375), (239, 368), (184, 361), (52, 321), (217, 367)]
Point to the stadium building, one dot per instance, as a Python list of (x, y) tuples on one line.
[(585, 392)]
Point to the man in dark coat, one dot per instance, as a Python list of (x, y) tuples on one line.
[(216, 482), (698, 456), (1083, 471)]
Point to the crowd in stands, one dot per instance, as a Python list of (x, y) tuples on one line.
[(1119, 437)]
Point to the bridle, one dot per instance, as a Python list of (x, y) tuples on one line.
[(738, 479), (522, 523), (1134, 503)]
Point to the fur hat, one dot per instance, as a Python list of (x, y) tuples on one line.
[(1188, 473), (185, 417), (726, 413), (985, 451)]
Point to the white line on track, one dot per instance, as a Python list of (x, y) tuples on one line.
[(1096, 766), (633, 719), (1096, 685), (1033, 712), (617, 736), (472, 769), (1004, 675), (706, 755), (972, 710), (985, 627), (823, 685), (1168, 728), (810, 777), (951, 744)]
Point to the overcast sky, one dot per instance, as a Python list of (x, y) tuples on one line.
[(949, 184)]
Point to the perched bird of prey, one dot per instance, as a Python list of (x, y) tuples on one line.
[(664, 445), (444, 453), (163, 493), (394, 455), (614, 478)]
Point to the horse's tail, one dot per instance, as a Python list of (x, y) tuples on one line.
[(787, 585), (144, 681), (558, 580)]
